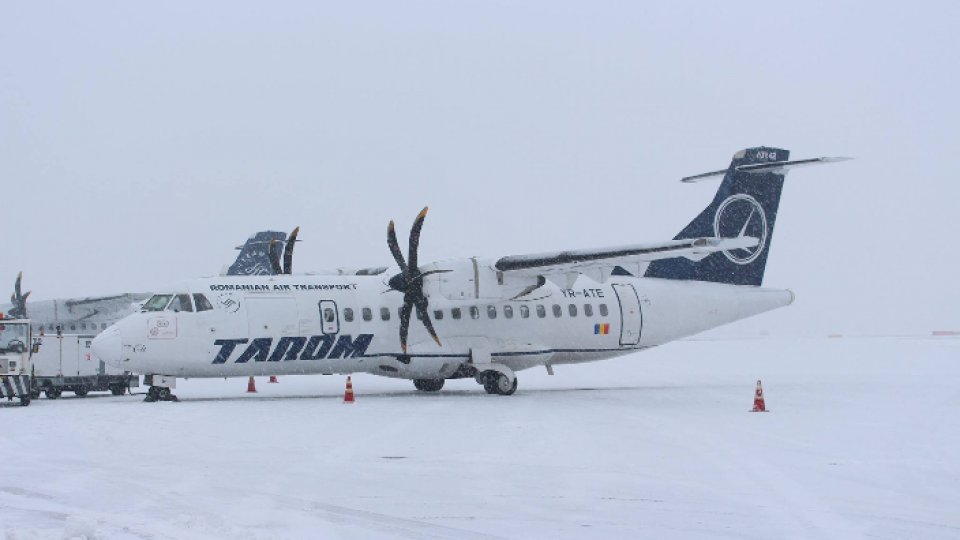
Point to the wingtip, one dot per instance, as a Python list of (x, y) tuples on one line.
[(423, 213)]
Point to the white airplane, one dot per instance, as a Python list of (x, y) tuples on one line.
[(475, 317), (90, 315)]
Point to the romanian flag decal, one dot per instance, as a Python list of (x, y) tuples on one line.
[(601, 329)]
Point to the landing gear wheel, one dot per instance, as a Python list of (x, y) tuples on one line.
[(428, 385), (498, 383), (159, 393), (35, 393), (52, 393), (117, 390), (81, 391)]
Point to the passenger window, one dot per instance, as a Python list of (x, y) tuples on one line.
[(491, 312), (438, 314), (73, 327), (103, 326), (83, 326), (588, 310), (603, 310), (367, 314), (329, 315), (348, 314), (455, 313), (541, 311), (557, 310), (202, 303), (474, 312), (508, 312), (525, 312), (385, 314), (572, 308)]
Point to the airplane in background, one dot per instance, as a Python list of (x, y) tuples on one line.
[(472, 317), (92, 315)]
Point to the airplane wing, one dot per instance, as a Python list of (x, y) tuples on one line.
[(600, 262)]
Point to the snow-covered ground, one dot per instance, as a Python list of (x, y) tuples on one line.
[(863, 441)]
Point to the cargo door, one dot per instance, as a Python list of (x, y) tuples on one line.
[(272, 317), (631, 319)]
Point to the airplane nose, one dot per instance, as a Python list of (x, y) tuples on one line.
[(108, 346)]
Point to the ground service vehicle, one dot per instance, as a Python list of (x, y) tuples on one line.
[(65, 362), (16, 348)]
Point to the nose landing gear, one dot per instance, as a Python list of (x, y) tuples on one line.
[(159, 393), (160, 387)]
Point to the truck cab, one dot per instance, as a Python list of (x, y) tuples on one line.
[(16, 349)]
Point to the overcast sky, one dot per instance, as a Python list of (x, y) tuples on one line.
[(141, 142)]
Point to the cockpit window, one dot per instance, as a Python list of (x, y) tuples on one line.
[(202, 303), (157, 302), (181, 303)]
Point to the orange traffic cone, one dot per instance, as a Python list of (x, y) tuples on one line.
[(251, 386), (758, 403), (273, 379), (348, 395)]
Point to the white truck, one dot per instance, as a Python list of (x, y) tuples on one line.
[(65, 362), (16, 348)]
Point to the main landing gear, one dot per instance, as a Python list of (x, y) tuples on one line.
[(428, 385), (495, 382)]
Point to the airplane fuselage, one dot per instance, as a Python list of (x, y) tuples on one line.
[(303, 324)]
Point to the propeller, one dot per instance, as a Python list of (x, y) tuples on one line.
[(287, 254), (410, 281), (19, 301)]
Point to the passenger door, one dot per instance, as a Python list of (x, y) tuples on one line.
[(329, 317), (631, 319)]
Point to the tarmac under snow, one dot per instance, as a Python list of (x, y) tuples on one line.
[(862, 441)]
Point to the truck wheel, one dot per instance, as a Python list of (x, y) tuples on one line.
[(117, 390), (81, 391), (51, 392), (35, 393), (25, 399)]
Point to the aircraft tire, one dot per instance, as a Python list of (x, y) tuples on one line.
[(152, 394), (498, 383), (428, 385)]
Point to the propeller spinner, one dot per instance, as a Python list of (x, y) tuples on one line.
[(410, 281)]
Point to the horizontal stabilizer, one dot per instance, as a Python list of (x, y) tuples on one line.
[(776, 167), (562, 262)]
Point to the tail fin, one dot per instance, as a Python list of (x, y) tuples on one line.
[(254, 257), (745, 205)]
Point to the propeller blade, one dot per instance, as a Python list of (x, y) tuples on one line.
[(395, 248), (404, 325), (274, 258), (16, 285), (288, 251), (415, 237), (425, 317)]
